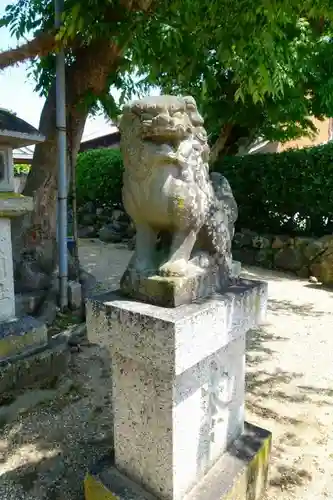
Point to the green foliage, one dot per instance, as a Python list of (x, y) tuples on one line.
[(166, 37), (254, 45), (305, 81), (290, 192), (21, 168), (99, 177)]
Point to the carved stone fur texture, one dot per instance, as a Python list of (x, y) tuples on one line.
[(167, 188)]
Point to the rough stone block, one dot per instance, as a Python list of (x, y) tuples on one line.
[(172, 291), (178, 378), (34, 369), (74, 294), (21, 335), (241, 473)]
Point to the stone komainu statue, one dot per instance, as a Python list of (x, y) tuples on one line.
[(167, 190)]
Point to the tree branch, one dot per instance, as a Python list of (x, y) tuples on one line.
[(40, 46), (44, 43)]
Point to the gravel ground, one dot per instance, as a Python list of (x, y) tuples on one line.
[(49, 437)]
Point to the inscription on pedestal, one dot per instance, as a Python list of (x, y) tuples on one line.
[(216, 398)]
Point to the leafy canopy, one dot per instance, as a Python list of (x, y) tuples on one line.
[(262, 94), (173, 37)]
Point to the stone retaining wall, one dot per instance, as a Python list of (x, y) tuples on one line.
[(301, 255)]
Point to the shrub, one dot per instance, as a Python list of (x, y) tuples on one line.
[(21, 168), (290, 192), (99, 177)]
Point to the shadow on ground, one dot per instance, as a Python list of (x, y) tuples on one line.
[(286, 306), (46, 451), (276, 399)]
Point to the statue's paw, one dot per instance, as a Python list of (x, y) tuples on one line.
[(177, 268)]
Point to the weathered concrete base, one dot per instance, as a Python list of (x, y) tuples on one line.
[(35, 369), (175, 291), (170, 291), (240, 474), (20, 336)]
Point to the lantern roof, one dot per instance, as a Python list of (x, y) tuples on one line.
[(16, 132)]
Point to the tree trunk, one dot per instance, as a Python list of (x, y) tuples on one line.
[(220, 143), (34, 236), (233, 140)]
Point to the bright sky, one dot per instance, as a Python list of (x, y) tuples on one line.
[(17, 90)]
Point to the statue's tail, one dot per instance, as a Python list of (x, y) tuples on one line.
[(217, 233), (224, 195)]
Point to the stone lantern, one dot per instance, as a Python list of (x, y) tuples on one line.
[(17, 335)]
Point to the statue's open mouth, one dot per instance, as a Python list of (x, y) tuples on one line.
[(164, 151), (163, 133)]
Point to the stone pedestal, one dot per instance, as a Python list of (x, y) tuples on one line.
[(11, 205), (7, 297), (25, 354), (178, 392)]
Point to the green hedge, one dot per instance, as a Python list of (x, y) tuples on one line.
[(290, 192), (99, 177)]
